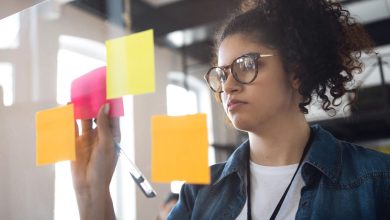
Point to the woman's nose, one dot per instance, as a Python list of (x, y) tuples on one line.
[(230, 85)]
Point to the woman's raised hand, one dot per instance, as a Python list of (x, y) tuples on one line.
[(92, 171)]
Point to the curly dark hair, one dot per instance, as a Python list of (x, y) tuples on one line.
[(318, 40)]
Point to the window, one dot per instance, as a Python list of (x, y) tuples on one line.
[(10, 26), (6, 84), (180, 101), (9, 39), (73, 62)]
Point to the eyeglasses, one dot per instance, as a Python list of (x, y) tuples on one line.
[(244, 70)]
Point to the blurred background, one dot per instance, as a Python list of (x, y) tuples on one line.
[(44, 45)]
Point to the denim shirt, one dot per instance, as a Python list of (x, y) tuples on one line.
[(342, 181)]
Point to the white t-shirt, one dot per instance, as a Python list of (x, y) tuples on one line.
[(267, 186)]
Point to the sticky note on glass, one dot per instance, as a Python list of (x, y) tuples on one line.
[(130, 65), (55, 135), (180, 149), (88, 94)]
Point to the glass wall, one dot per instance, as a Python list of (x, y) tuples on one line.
[(45, 47), (42, 49)]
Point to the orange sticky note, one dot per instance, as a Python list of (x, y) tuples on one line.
[(55, 135), (180, 149), (130, 65)]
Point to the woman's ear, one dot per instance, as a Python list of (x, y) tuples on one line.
[(294, 80), (293, 75)]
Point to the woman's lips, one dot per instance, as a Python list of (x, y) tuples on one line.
[(234, 104)]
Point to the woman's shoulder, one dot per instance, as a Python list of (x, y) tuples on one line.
[(349, 159), (365, 157), (361, 162)]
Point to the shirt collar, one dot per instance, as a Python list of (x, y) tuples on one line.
[(324, 154), (236, 163)]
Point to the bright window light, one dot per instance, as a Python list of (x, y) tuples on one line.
[(176, 186), (72, 65), (7, 83), (180, 101), (65, 205), (9, 29)]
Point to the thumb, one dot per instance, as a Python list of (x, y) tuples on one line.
[(103, 122)]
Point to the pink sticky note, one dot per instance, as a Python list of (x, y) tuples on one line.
[(88, 94)]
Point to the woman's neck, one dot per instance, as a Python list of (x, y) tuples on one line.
[(280, 144)]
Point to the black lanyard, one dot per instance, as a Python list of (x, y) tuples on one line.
[(276, 211)]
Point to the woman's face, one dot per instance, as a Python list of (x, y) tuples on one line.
[(273, 94)]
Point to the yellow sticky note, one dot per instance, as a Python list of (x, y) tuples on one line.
[(130, 65), (55, 135), (180, 149)]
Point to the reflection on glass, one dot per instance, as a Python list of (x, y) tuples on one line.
[(65, 206), (7, 83), (9, 29), (176, 186), (180, 101), (75, 60), (76, 56)]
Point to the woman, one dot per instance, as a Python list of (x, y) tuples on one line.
[(273, 58)]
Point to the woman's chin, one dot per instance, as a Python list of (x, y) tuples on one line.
[(241, 124)]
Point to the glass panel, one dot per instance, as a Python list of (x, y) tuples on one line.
[(42, 49), (9, 27), (6, 84)]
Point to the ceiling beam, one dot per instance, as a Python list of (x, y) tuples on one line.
[(110, 10), (180, 15), (379, 31), (190, 15)]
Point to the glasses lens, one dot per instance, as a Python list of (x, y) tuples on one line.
[(215, 79), (245, 69)]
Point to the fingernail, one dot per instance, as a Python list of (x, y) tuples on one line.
[(106, 108)]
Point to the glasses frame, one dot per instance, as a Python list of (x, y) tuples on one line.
[(255, 56)]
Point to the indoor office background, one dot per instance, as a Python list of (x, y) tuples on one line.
[(44, 45)]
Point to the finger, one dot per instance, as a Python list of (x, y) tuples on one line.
[(76, 128), (115, 129), (75, 123), (86, 125), (103, 122)]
